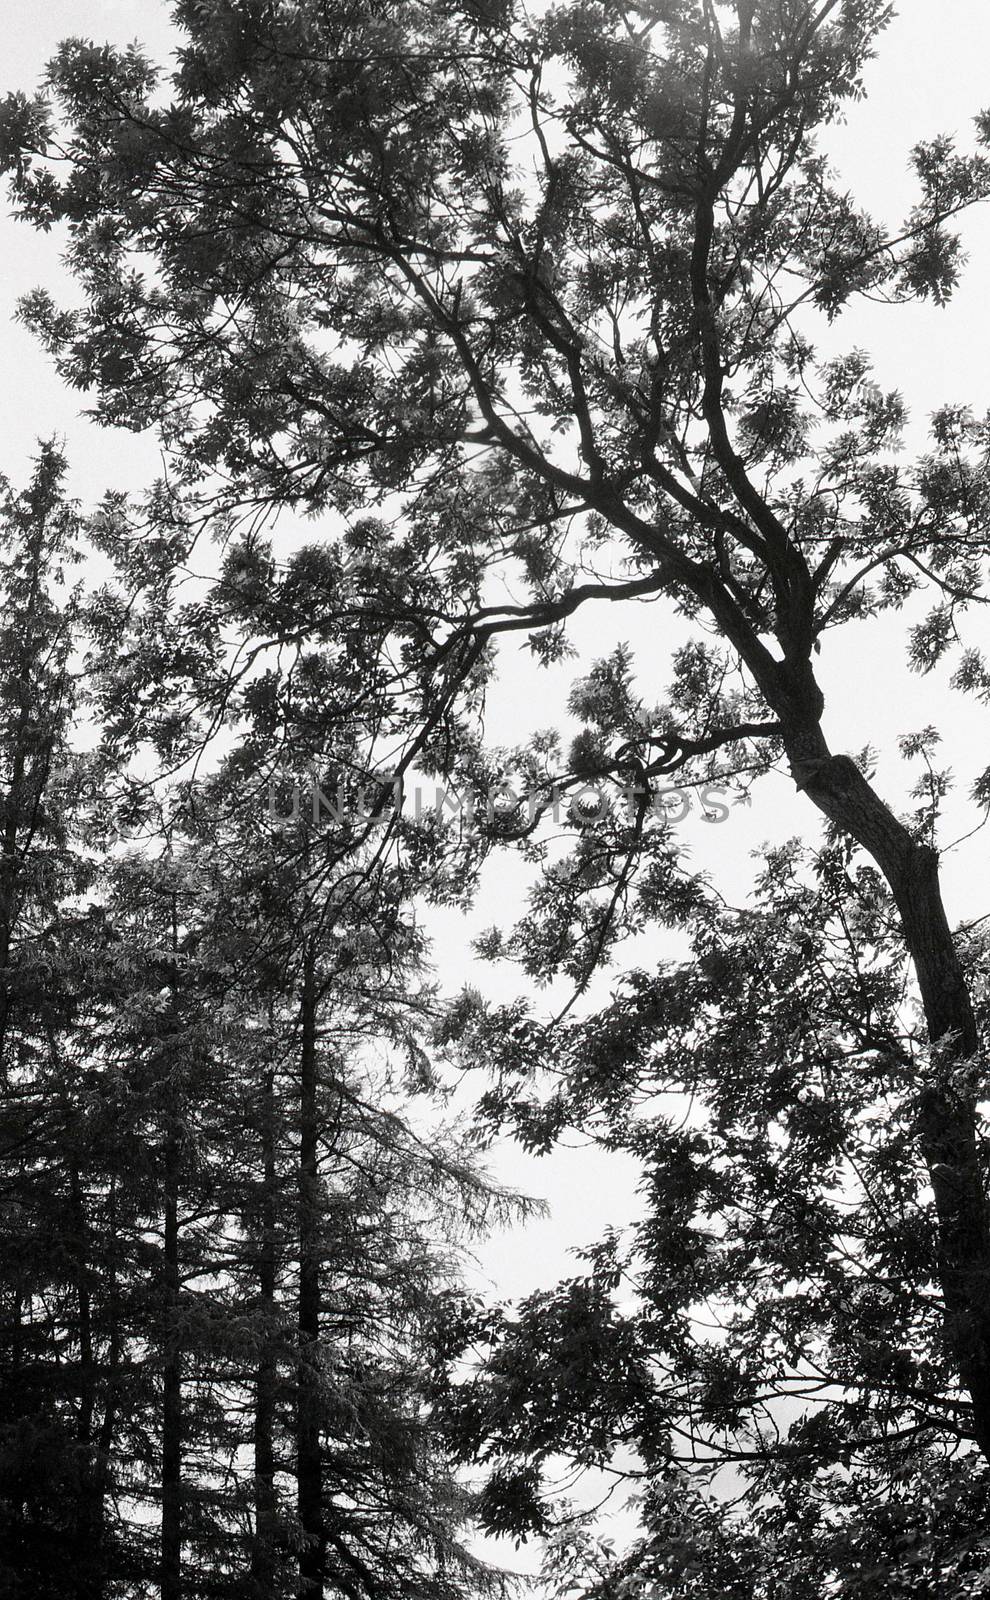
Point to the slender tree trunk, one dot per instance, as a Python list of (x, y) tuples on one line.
[(263, 1550), (104, 1453), (11, 858), (10, 871), (946, 1114), (89, 1507), (312, 1557), (171, 1533)]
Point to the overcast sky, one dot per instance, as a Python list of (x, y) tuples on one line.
[(930, 77)]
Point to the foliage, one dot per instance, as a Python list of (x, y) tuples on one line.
[(157, 1218), (534, 301)]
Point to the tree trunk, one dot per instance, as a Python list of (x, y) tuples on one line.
[(946, 1119), (312, 1557), (12, 849), (89, 1506), (104, 1451), (265, 1515), (171, 1534)]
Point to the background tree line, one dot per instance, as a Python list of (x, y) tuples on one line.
[(225, 1243)]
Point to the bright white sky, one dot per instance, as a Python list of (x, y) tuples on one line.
[(930, 77)]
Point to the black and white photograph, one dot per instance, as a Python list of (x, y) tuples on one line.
[(495, 800)]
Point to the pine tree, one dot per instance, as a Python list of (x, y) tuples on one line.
[(302, 1236), (53, 1330), (225, 1245)]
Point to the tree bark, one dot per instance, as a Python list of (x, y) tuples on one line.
[(265, 1512), (13, 846), (309, 1474), (171, 1532), (107, 1431), (89, 1507)]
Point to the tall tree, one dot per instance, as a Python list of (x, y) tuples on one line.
[(222, 1237), (56, 1328), (316, 1235)]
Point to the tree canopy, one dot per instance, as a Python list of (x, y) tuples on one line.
[(540, 300)]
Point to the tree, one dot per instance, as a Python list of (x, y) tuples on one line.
[(770, 1325), (297, 1235), (351, 1222), (54, 1313), (303, 1236), (547, 292), (223, 1240)]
